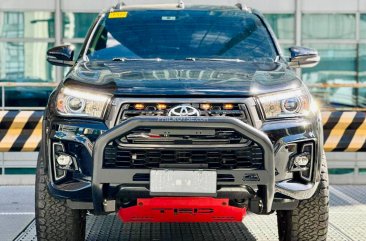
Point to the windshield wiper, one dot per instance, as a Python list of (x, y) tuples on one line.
[(214, 59), (127, 59)]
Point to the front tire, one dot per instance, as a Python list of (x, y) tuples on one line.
[(55, 221), (309, 221)]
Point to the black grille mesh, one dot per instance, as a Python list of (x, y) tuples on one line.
[(247, 157)]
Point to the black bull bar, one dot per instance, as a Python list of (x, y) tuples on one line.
[(124, 176)]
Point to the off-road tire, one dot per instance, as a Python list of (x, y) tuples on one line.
[(55, 221), (309, 221)]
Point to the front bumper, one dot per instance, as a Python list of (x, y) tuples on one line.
[(93, 195)]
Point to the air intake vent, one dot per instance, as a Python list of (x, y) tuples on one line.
[(119, 157)]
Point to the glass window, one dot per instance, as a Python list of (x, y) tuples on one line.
[(337, 66), (362, 62), (229, 34), (329, 26), (341, 171), (362, 73), (76, 25), (363, 26), (283, 25), (22, 171), (27, 25), (25, 62)]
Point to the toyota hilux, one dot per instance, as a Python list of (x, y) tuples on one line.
[(181, 113)]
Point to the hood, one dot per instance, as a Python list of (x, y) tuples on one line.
[(185, 78)]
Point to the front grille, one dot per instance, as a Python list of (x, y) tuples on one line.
[(238, 111), (175, 136), (116, 156), (173, 147)]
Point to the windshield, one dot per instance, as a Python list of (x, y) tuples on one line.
[(181, 35)]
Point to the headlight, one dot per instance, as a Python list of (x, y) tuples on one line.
[(286, 104), (81, 103)]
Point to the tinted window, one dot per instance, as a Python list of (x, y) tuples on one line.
[(27, 24), (25, 62), (179, 34), (363, 26), (328, 26), (338, 65)]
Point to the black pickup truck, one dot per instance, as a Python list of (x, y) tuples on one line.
[(177, 113)]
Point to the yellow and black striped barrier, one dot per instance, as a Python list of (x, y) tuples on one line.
[(343, 131), (20, 131)]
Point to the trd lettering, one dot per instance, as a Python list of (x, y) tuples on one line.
[(192, 211)]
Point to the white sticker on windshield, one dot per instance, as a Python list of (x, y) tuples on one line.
[(168, 18)]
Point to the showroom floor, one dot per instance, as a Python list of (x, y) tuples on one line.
[(347, 221)]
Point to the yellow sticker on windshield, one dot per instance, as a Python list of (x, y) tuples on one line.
[(118, 15)]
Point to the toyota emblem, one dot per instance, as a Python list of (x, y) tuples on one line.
[(184, 110)]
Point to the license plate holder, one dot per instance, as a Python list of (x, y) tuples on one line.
[(183, 183)]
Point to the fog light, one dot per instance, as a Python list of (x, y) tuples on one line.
[(301, 161), (64, 160)]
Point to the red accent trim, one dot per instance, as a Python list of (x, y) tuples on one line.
[(182, 209)]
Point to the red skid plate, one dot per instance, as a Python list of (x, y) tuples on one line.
[(182, 209)]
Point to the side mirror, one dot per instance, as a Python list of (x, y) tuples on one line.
[(61, 55), (303, 57)]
